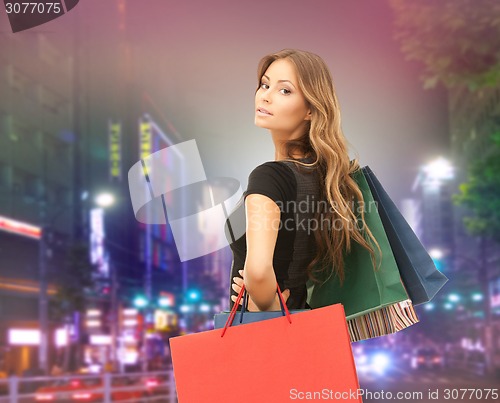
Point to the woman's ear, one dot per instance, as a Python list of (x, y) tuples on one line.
[(308, 115)]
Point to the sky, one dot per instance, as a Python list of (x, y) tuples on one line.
[(197, 60)]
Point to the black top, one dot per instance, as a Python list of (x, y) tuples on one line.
[(295, 189)]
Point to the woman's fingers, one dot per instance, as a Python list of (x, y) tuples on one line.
[(238, 283), (236, 286), (286, 294)]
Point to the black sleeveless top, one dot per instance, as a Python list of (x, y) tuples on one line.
[(295, 189)]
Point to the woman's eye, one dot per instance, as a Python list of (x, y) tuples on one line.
[(264, 86), (284, 91)]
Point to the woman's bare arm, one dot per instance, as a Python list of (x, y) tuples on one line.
[(262, 225)]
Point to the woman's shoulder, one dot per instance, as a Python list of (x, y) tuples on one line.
[(272, 168), (283, 172), (286, 165), (301, 166), (274, 180)]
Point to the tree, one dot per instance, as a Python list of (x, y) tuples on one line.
[(458, 41), (481, 194)]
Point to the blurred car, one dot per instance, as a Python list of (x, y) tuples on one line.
[(94, 393), (155, 384), (426, 358), (60, 390), (372, 360), (88, 390)]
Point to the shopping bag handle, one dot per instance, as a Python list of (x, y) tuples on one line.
[(244, 306), (230, 319)]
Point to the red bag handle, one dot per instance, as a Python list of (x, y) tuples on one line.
[(230, 319)]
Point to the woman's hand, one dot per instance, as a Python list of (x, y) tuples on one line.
[(238, 283)]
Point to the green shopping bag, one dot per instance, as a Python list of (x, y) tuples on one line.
[(365, 289)]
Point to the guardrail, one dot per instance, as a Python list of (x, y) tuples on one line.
[(138, 387)]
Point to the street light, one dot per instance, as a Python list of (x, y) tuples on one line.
[(104, 199), (140, 301), (436, 253), (477, 296), (164, 302), (205, 308), (194, 295), (439, 170), (185, 308)]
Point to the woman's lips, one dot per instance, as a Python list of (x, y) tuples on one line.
[(263, 111)]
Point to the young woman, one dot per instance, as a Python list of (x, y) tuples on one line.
[(299, 209)]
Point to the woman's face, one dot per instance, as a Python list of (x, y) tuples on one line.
[(280, 106)]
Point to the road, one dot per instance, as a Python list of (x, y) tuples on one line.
[(427, 386)]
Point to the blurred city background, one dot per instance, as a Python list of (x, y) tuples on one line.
[(85, 288)]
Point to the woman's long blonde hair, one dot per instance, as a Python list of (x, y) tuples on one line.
[(324, 141)]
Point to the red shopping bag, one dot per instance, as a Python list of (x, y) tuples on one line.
[(302, 356)]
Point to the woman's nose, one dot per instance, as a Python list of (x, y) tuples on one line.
[(265, 97)]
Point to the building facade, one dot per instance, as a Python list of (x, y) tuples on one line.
[(36, 183)]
